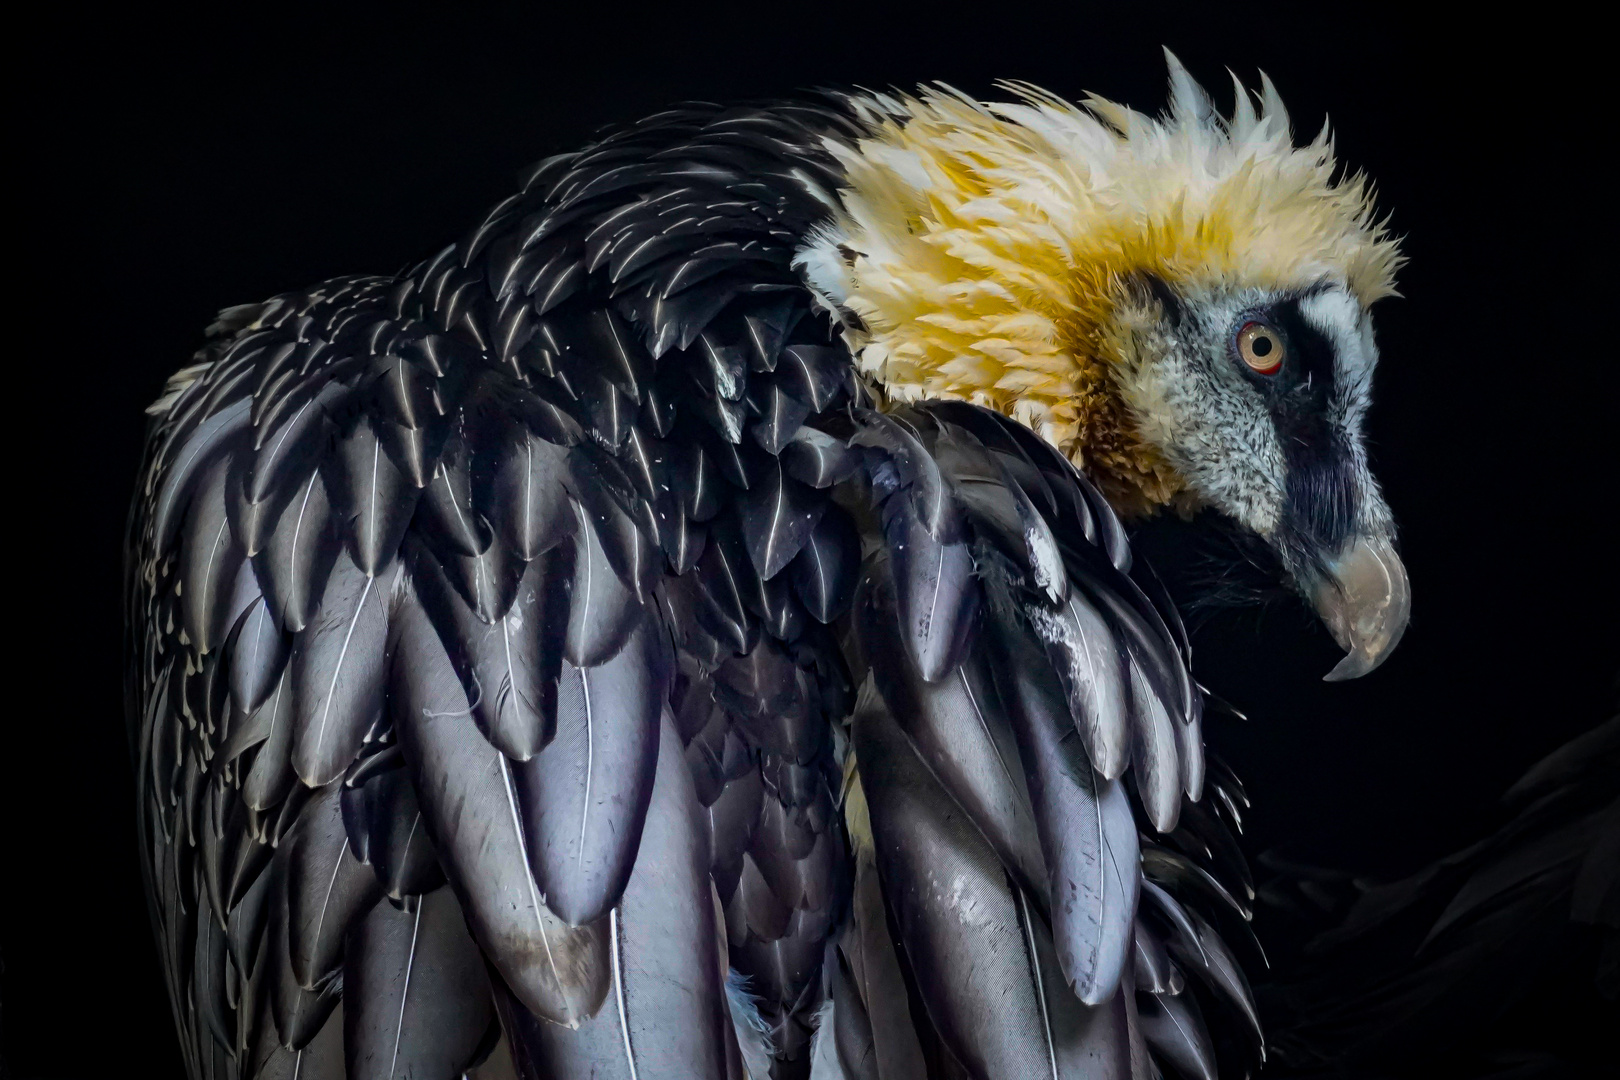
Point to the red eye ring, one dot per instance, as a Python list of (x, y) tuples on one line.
[(1260, 347)]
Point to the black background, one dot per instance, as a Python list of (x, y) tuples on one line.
[(183, 165)]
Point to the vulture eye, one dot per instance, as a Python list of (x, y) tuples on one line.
[(1261, 347)]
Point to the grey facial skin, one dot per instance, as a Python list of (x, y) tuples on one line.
[(1282, 453)]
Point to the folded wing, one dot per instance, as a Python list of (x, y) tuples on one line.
[(497, 629)]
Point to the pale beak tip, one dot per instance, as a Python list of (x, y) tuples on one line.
[(1354, 665)]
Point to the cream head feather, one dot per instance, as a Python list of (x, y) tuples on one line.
[(984, 247)]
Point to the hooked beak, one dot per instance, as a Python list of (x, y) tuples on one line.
[(1364, 600)]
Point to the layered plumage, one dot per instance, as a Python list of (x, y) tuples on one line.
[(565, 657)]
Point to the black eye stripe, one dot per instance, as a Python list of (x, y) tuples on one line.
[(1322, 501), (1309, 348)]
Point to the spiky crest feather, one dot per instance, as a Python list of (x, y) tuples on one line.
[(983, 246)]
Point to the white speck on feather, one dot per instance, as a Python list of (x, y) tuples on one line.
[(967, 906)]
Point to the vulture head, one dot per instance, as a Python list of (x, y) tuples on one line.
[(1181, 305)]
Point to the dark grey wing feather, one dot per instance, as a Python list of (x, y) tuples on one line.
[(322, 1057), (823, 572), (854, 1042), (258, 648), (418, 1000), (268, 774), (1174, 1028), (325, 888), (937, 591), (1199, 950), (337, 672), (524, 487), (297, 1014), (584, 798), (665, 1013), (209, 559), (380, 498), (299, 553), (509, 665), (777, 516), (1155, 761), (385, 827), (210, 977), (195, 450), (1095, 679), (470, 805), (1151, 970), (602, 612)]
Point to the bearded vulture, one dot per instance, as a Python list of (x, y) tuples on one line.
[(686, 627)]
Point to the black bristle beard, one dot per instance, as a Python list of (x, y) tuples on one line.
[(1210, 564)]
